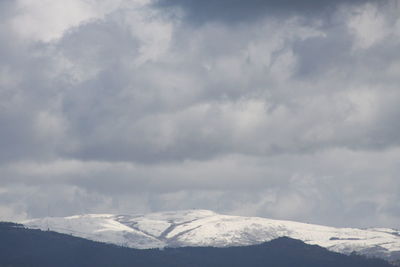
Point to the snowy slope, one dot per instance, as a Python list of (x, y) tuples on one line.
[(206, 228)]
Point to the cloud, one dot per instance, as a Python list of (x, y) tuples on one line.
[(48, 20), (257, 110)]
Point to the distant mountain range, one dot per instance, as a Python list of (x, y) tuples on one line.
[(203, 228), (20, 246)]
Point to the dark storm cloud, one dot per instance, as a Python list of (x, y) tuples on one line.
[(233, 11)]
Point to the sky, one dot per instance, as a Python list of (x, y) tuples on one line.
[(279, 109)]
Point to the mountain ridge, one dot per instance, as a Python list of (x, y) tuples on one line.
[(204, 228)]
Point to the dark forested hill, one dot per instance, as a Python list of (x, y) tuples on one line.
[(27, 247)]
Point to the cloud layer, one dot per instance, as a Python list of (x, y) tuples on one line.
[(283, 109)]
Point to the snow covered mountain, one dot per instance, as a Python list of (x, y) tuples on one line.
[(207, 228)]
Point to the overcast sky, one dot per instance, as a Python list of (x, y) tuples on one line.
[(280, 109)]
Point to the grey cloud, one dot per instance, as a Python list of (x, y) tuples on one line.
[(162, 122), (7, 8), (24, 92), (311, 188)]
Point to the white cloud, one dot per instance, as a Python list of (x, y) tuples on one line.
[(369, 26), (48, 20)]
